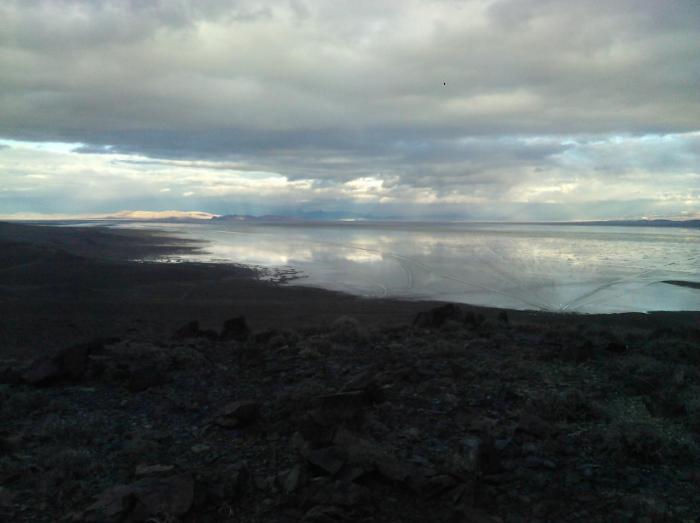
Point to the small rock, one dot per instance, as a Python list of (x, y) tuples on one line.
[(533, 425), (344, 405), (412, 433), (292, 480), (536, 462), (616, 347), (10, 376), (150, 470), (327, 459), (477, 456), (235, 329), (237, 414), (315, 429), (6, 497), (324, 514), (471, 454), (142, 378), (11, 442), (347, 330), (588, 469), (437, 485)]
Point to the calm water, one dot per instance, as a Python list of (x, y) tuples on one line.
[(546, 267)]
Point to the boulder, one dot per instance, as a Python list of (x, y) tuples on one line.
[(369, 457), (235, 329), (438, 485), (222, 483), (438, 316), (73, 360), (141, 500), (343, 406), (533, 425), (10, 376), (68, 364), (328, 459), (316, 429), (351, 457), (188, 330), (370, 382), (145, 377), (192, 330), (42, 371)]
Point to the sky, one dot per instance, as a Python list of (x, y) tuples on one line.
[(459, 109)]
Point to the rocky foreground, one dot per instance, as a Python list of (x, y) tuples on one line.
[(455, 417)]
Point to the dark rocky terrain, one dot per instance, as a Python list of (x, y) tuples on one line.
[(145, 392)]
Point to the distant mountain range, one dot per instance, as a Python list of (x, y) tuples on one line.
[(159, 215), (298, 217), (339, 216), (642, 223), (346, 216), (120, 215), (323, 216)]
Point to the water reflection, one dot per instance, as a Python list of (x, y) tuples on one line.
[(583, 269)]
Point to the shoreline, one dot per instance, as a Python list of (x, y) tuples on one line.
[(290, 273)]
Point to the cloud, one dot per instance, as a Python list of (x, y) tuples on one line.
[(528, 181), (441, 103)]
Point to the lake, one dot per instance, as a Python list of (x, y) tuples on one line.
[(587, 269)]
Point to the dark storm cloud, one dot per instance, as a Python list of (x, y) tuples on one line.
[(76, 68), (438, 162)]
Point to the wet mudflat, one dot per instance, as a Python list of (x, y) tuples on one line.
[(562, 268)]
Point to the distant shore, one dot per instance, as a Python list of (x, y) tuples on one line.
[(330, 219)]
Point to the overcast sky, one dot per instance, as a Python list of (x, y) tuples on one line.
[(498, 109)]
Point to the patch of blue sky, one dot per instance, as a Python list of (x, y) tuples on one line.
[(53, 147)]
